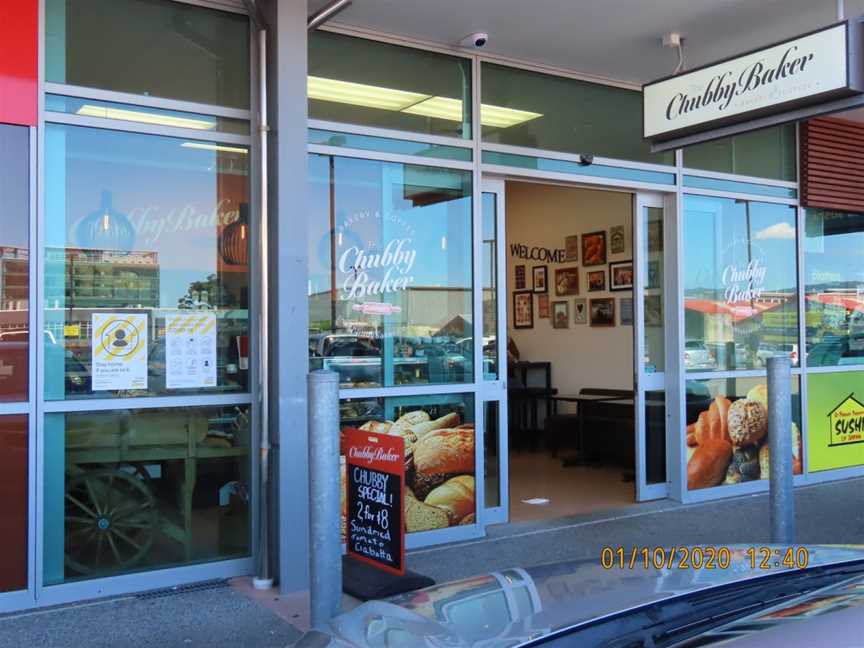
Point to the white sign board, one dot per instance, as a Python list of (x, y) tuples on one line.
[(803, 70), (190, 350), (119, 351)]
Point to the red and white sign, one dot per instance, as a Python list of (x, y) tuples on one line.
[(19, 38), (376, 499)]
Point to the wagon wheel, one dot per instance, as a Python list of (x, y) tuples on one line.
[(111, 521)]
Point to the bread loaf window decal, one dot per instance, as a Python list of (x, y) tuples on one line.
[(439, 464), (727, 443)]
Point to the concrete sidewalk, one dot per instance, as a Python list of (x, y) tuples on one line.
[(825, 514), (231, 614)]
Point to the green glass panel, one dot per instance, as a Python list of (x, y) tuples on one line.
[(142, 46), (360, 81), (542, 111), (766, 153)]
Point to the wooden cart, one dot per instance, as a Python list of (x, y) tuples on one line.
[(112, 515)]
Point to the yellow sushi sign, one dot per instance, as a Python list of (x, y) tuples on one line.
[(835, 417), (846, 422)]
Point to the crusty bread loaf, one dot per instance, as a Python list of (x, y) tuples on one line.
[(707, 466), (440, 455), (468, 519), (423, 517), (447, 421), (377, 427), (455, 496)]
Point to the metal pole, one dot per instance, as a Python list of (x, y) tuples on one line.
[(325, 496), (326, 12), (780, 450), (264, 580), (841, 10)]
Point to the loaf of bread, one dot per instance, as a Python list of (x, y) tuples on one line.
[(405, 421), (468, 519), (377, 427), (707, 467), (712, 423), (447, 421), (748, 422), (440, 455), (455, 496), (423, 517)]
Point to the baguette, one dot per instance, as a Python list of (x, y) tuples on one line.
[(455, 496), (447, 421)]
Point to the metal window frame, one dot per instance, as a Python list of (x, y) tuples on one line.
[(36, 408)]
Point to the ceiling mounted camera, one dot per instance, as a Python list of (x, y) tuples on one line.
[(477, 40)]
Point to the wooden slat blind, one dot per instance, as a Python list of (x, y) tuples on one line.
[(832, 164)]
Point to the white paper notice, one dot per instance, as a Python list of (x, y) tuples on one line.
[(119, 350), (190, 350)]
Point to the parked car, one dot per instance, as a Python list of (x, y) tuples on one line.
[(768, 349), (586, 603), (697, 355)]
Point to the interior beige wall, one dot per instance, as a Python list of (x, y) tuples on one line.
[(581, 355)]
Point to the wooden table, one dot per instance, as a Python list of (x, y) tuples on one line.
[(580, 400)]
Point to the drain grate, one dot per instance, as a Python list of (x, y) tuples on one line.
[(183, 589)]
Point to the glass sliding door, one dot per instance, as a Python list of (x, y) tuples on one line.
[(494, 350), (649, 345)]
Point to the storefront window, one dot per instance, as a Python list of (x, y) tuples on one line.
[(767, 153), (14, 262), (652, 257), (390, 272), (13, 514), (835, 420), (727, 431), (439, 453), (489, 261), (146, 265), (834, 280), (127, 491), (740, 284), (134, 46), (400, 88), (542, 111)]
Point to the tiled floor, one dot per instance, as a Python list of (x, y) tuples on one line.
[(572, 490)]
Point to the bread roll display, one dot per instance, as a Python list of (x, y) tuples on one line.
[(455, 496), (728, 442), (439, 467)]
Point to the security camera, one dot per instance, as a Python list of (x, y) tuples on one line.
[(475, 41), (586, 159)]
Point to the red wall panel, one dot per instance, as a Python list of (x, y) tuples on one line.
[(832, 164), (19, 35)]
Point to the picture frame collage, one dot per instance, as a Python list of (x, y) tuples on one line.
[(601, 275)]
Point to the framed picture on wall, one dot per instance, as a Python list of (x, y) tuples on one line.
[(655, 236), (523, 309), (571, 248), (617, 240), (560, 315), (520, 278), (580, 311), (567, 281), (540, 278), (543, 306), (625, 310), (621, 275), (594, 249), (597, 281), (602, 311)]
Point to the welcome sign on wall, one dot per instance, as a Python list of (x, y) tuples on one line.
[(807, 71)]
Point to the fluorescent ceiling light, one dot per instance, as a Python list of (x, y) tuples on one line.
[(106, 112), (413, 103), (451, 109), (214, 147), (438, 107), (360, 94), (501, 117)]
